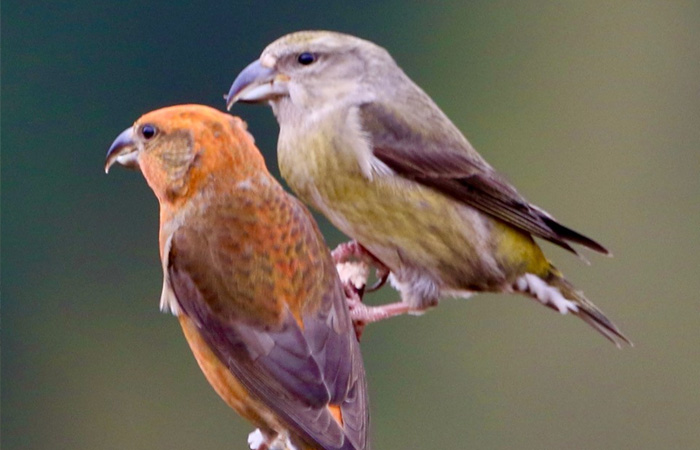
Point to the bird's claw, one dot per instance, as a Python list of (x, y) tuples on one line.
[(354, 250), (382, 274), (354, 276)]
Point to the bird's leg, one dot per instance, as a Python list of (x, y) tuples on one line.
[(353, 249), (363, 314), (354, 276)]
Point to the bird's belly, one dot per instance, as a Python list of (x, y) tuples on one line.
[(421, 235)]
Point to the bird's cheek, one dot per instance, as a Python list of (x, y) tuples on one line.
[(299, 95), (153, 173)]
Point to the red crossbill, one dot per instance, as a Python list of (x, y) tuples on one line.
[(364, 145), (248, 275)]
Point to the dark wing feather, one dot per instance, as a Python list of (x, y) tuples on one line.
[(296, 372), (448, 164)]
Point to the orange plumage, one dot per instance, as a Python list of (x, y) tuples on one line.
[(254, 287)]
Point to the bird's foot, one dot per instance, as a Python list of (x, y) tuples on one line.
[(354, 250), (353, 275), (354, 278)]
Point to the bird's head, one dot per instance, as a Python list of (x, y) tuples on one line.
[(307, 69), (179, 148)]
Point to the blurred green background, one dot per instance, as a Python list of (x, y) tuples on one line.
[(591, 108)]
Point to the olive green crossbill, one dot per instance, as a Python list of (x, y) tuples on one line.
[(363, 144)]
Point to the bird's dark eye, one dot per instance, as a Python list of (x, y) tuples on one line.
[(148, 131), (306, 58)]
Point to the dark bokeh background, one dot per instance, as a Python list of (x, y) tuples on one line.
[(591, 109)]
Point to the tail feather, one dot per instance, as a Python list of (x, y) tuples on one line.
[(567, 234), (597, 320), (562, 296)]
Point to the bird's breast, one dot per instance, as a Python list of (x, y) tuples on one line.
[(319, 162)]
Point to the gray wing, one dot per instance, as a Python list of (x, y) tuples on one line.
[(297, 372), (444, 161)]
